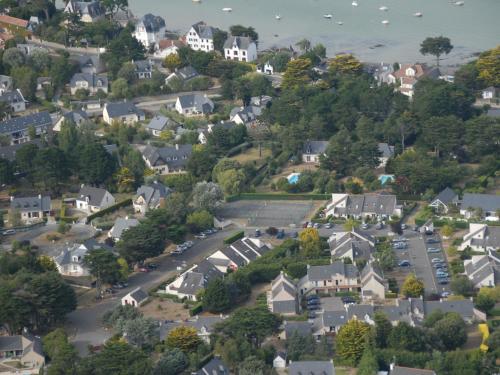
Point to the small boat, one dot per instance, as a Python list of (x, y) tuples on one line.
[(355, 4), (418, 14), (278, 17), (227, 9), (459, 3), (328, 16), (340, 23), (385, 22), (196, 1), (383, 8)]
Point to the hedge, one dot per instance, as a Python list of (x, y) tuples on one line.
[(238, 149), (278, 197), (107, 210), (234, 237), (196, 309)]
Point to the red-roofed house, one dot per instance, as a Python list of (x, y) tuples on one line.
[(408, 75), (168, 47)]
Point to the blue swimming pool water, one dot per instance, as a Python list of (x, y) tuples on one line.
[(293, 178)]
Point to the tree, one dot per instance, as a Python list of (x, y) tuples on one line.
[(127, 72), (39, 60), (141, 242), (310, 243), (172, 362), (184, 338), (67, 138), (412, 287), (63, 355), (200, 220), (172, 62), (436, 47), (232, 181), (488, 66), (298, 346), (406, 337), (25, 80), (443, 134), (140, 331), (14, 217), (216, 298), (451, 331), (233, 351), (103, 265), (368, 364), (484, 302), (50, 167), (350, 224), (304, 45), (345, 64), (113, 6), (96, 165), (252, 366), (239, 30), (201, 162), (296, 73), (207, 196), (462, 285), (6, 172), (13, 57), (352, 340), (120, 88), (447, 231), (383, 329)]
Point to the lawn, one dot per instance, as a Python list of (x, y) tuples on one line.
[(252, 155)]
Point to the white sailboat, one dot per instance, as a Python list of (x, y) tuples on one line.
[(340, 23), (459, 3), (278, 17), (227, 9), (385, 22), (383, 8), (418, 14), (355, 4), (328, 16)]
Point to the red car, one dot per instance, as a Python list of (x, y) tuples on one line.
[(143, 269)]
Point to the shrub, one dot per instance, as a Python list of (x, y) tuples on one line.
[(234, 237)]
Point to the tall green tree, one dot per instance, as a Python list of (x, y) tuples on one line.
[(96, 165), (436, 46), (352, 340), (216, 298), (103, 265), (141, 242)]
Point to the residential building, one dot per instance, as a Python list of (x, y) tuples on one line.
[(13, 24), (159, 124), (355, 245), (311, 368), (32, 209), (123, 17), (481, 237), (92, 83), (408, 75), (214, 367), (300, 328), (5, 84), (283, 297), (204, 326), (22, 351), (150, 197), (93, 199), (15, 100), (88, 12), (143, 69), (125, 112), (200, 37), (313, 150), (150, 30), (490, 93), (386, 152), (485, 206), (121, 225), (167, 160), (90, 64), (238, 254), (280, 360), (70, 261), (194, 105), (17, 128), (9, 152), (465, 308), (334, 277), (135, 298), (445, 200), (240, 48), (168, 47), (400, 370), (380, 71), (43, 84), (76, 117), (483, 270), (28, 49), (183, 75), (379, 206), (329, 322), (245, 115), (373, 284), (203, 134), (266, 68)]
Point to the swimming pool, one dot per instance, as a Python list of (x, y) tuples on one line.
[(293, 178)]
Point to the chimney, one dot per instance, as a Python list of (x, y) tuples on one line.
[(177, 146)]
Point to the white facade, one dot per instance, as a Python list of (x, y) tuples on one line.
[(236, 52), (199, 43)]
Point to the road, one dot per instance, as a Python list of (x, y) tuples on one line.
[(85, 323)]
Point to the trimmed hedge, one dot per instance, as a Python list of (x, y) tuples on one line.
[(234, 237), (196, 309), (278, 197), (107, 210), (238, 149)]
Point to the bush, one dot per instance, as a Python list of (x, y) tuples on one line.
[(196, 309), (107, 210), (234, 237)]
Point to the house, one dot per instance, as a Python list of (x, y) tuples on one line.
[(13, 24), (203, 133), (311, 368), (465, 308), (329, 322), (9, 152), (76, 117), (380, 72), (408, 75), (183, 74), (245, 115), (200, 37), (24, 350), (240, 48), (15, 100), (90, 64), (150, 197), (167, 160), (88, 12), (28, 49), (158, 124), (32, 209), (123, 17), (167, 47), (355, 245), (400, 370), (280, 360), (373, 285), (70, 261), (135, 298), (150, 30), (238, 254), (120, 226), (386, 152), (300, 328), (446, 199), (283, 297), (486, 206), (143, 69), (266, 68), (335, 277), (481, 237), (204, 326), (125, 112), (91, 82), (312, 151), (17, 128), (490, 93), (214, 367), (380, 206), (194, 105), (92, 199), (5, 84), (42, 85), (483, 270)]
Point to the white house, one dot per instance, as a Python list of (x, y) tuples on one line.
[(76, 117), (283, 296), (92, 199), (31, 209), (150, 30), (355, 245), (337, 277), (5, 84), (135, 298), (167, 160), (125, 112), (200, 37), (408, 75), (486, 206), (121, 225), (194, 105), (445, 200), (265, 68), (483, 270), (240, 48), (386, 152), (373, 285), (280, 360), (88, 12), (245, 115), (93, 83), (380, 206), (481, 237), (490, 93), (149, 197), (167, 47), (313, 150), (15, 100), (70, 262)]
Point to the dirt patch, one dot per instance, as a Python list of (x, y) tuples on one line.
[(474, 337), (165, 309), (256, 291), (252, 155)]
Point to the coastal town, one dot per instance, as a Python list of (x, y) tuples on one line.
[(191, 203)]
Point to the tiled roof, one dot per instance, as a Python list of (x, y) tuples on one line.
[(29, 204), (315, 147), (13, 21), (94, 194), (241, 42), (17, 124), (152, 23), (487, 202)]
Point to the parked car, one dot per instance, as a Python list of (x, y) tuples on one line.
[(189, 243), (429, 232), (438, 265), (443, 280), (348, 299), (312, 297), (328, 225), (201, 236), (312, 307), (9, 232), (310, 225), (365, 226), (143, 269), (281, 234), (305, 224), (437, 260), (432, 240), (257, 232), (379, 226), (433, 250), (403, 226), (295, 234), (311, 315), (317, 225), (313, 302), (399, 245), (442, 274), (152, 266), (404, 263)]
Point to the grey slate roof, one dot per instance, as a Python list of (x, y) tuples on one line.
[(94, 194), (299, 328), (119, 109), (12, 97), (143, 66), (204, 31), (69, 252), (334, 318), (208, 270), (16, 124), (139, 295), (360, 311), (314, 147), (160, 123), (153, 192), (214, 367), (76, 116), (192, 283), (184, 74), (94, 80), (319, 273), (121, 225), (11, 343), (200, 102), (93, 8), (174, 157), (152, 23), (360, 249), (385, 150), (446, 196), (247, 114), (399, 370), (29, 204), (242, 42), (374, 268), (488, 202), (464, 307), (9, 152), (311, 368), (380, 204)]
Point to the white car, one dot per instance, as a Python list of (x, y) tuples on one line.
[(437, 260)]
